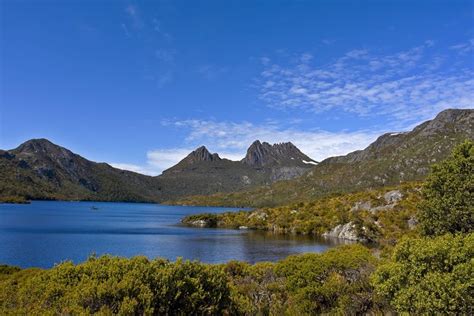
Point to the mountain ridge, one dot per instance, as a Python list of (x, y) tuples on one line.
[(392, 159), (267, 175), (40, 169)]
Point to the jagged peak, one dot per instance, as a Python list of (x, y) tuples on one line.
[(202, 154), (262, 153)]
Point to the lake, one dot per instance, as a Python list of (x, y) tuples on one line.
[(43, 233)]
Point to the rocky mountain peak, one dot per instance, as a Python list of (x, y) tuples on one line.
[(201, 154), (444, 126), (262, 154), (257, 153), (36, 145), (447, 120), (42, 148)]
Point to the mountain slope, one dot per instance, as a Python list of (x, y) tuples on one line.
[(39, 169), (392, 159)]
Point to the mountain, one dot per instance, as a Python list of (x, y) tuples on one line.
[(204, 173), (39, 169), (263, 154), (392, 159)]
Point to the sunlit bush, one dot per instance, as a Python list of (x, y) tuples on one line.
[(429, 276)]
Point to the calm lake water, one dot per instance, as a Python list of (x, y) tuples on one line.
[(43, 233)]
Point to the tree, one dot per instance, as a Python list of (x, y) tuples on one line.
[(448, 204)]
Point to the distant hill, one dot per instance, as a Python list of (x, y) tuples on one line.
[(39, 169), (392, 159)]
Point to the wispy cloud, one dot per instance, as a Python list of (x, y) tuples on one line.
[(405, 86), (134, 16), (137, 22), (158, 28), (125, 29), (165, 55), (464, 48)]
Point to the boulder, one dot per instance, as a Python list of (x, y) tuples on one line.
[(393, 196), (412, 222), (200, 223), (361, 206), (344, 231)]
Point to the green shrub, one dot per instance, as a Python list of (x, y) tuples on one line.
[(336, 281), (429, 276), (111, 285), (448, 205)]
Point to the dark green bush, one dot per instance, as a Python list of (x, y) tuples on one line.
[(448, 205)]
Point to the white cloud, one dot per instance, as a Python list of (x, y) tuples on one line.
[(134, 168), (161, 159), (405, 86), (156, 161)]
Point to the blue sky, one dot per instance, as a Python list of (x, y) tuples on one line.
[(139, 84)]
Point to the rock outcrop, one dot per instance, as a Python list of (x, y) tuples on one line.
[(393, 196), (344, 231)]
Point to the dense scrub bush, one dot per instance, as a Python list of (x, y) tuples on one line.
[(429, 276), (111, 285), (448, 204), (332, 282), (336, 281)]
